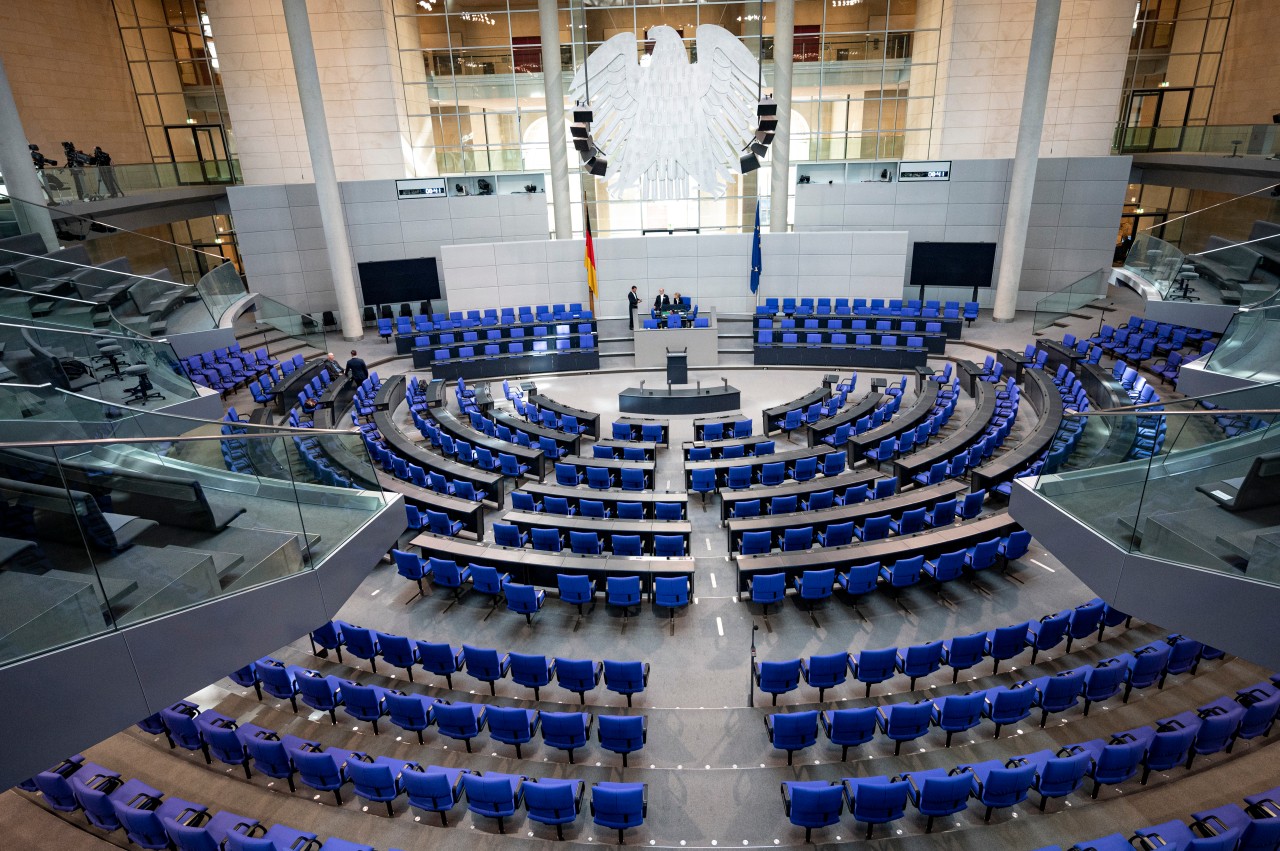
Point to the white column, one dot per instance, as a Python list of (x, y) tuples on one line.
[(784, 31), (20, 180), (553, 87), (1022, 182), (332, 219)]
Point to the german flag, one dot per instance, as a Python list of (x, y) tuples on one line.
[(589, 259)]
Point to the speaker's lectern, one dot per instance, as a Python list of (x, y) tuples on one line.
[(677, 367)]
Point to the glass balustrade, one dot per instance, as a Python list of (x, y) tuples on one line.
[(1154, 483), (1250, 347), (1238, 139), (113, 517), (1059, 305), (92, 183)]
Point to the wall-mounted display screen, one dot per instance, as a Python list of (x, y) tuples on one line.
[(422, 187), (952, 264), (915, 172), (391, 281)]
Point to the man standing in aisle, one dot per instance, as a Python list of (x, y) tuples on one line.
[(357, 371), (633, 302), (661, 301)]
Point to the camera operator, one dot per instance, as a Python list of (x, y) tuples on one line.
[(106, 172), (76, 161), (40, 161)]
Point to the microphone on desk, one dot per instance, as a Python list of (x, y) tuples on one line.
[(642, 385)]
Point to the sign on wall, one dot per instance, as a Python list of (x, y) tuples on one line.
[(915, 172), (422, 187)]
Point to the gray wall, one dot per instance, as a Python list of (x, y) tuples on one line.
[(714, 270), (1074, 216), (282, 243)]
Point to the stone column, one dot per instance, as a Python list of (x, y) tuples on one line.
[(784, 31), (553, 86), (20, 180), (1022, 181), (332, 219)]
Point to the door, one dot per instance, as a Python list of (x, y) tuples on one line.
[(1154, 120), (200, 153)]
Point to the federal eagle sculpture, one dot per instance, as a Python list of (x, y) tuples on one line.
[(666, 122)]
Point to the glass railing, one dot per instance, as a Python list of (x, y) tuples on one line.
[(22, 307), (1056, 306), (1157, 262), (1250, 347), (272, 316), (69, 185), (220, 288), (118, 370), (116, 519), (1239, 139), (1185, 457)]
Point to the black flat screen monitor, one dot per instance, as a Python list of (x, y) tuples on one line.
[(390, 281), (952, 264)]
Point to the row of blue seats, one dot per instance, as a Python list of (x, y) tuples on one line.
[(883, 326), (675, 320), (941, 513), (481, 457), (1002, 783), (982, 448), (938, 417), (523, 501), (577, 590), (567, 423), (517, 333), (865, 307), (383, 779), (959, 713), (1230, 827), (602, 478), (652, 432), (156, 821), (707, 453), (317, 463), (814, 585), (835, 338), (587, 543), (704, 479), (228, 368), (584, 342), (524, 314), (532, 671), (437, 482), (960, 653), (852, 495)]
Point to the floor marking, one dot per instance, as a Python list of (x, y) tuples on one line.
[(1040, 564), (376, 593), (713, 580), (719, 626)]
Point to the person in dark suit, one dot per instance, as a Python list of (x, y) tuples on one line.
[(662, 301), (633, 301), (356, 369)]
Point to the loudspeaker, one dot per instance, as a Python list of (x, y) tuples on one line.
[(598, 165), (759, 149), (582, 114), (749, 163), (579, 131)]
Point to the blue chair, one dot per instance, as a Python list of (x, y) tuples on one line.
[(411, 712), (487, 580), (981, 555), (919, 660), (1000, 783), (874, 666), (440, 659), (947, 567), (578, 590), (668, 546), (860, 579), (1005, 643), (623, 591), (1103, 681), (1114, 761), (271, 756), (558, 505), (813, 803), (439, 523), (755, 543), (599, 478), (768, 588), (671, 592), (874, 528), (585, 543), (1177, 834), (524, 599), (547, 540), (1219, 722), (567, 475), (836, 535), (1058, 693), (849, 727), (531, 671), (364, 703), (376, 779), (938, 792), (740, 477), (1047, 633), (824, 672), (1085, 620), (493, 795), (963, 652), (625, 545), (1009, 704), (325, 638), (509, 535), (942, 514), (578, 675), (322, 770), (1258, 828), (792, 732), (460, 720), (447, 574), (796, 539), (626, 678), (1165, 747), (619, 806), (486, 665), (813, 585), (904, 722), (704, 481), (1148, 665), (593, 508), (553, 802), (512, 725), (622, 734), (775, 678), (633, 479), (277, 679), (876, 800), (566, 731), (412, 567), (958, 713), (1058, 773)]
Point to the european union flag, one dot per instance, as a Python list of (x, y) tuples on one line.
[(756, 260)]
